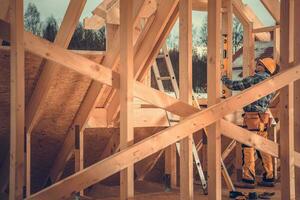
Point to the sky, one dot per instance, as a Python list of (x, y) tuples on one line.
[(57, 8)]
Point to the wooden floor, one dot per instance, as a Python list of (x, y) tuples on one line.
[(147, 190)]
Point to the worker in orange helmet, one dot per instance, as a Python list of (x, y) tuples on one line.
[(256, 119)]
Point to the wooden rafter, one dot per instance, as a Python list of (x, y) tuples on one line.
[(140, 150)]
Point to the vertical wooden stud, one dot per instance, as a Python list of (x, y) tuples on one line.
[(78, 151), (287, 170), (214, 94), (297, 90), (126, 93), (28, 164), (17, 89), (248, 50), (227, 35), (185, 88)]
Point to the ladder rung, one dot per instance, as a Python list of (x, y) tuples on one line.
[(164, 78)]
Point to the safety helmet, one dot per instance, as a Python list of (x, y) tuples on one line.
[(269, 64)]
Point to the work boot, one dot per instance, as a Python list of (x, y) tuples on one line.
[(247, 184), (267, 182)]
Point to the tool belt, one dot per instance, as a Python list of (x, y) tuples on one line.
[(255, 121)]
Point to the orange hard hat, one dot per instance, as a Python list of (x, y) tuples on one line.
[(269, 64)]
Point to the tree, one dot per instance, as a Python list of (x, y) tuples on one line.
[(50, 29), (237, 34), (203, 33), (32, 20)]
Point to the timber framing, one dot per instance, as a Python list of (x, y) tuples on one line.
[(117, 96)]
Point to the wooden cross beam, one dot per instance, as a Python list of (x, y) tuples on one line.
[(144, 148)]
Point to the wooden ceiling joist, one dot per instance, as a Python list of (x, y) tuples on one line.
[(146, 147)]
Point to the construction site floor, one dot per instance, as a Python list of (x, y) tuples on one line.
[(149, 190)]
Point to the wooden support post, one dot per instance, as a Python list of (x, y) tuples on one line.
[(248, 50), (17, 99), (213, 90), (126, 94), (171, 166), (28, 164), (276, 44), (297, 91), (185, 88), (78, 151), (227, 35), (287, 166)]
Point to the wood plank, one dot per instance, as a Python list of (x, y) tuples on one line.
[(186, 88), (265, 29), (248, 50), (28, 164), (227, 20), (273, 6), (143, 117), (79, 151), (144, 148), (287, 167), (214, 95), (17, 99), (126, 94), (297, 96)]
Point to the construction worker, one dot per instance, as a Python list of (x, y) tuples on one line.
[(255, 119)]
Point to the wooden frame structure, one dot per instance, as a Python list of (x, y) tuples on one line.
[(135, 53)]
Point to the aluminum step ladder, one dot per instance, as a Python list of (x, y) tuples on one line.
[(172, 78)]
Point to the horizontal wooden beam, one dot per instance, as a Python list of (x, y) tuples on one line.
[(143, 117), (153, 144), (249, 138), (265, 29)]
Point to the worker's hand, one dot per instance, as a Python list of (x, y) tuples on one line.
[(224, 77)]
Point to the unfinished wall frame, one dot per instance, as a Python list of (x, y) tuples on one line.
[(116, 90)]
